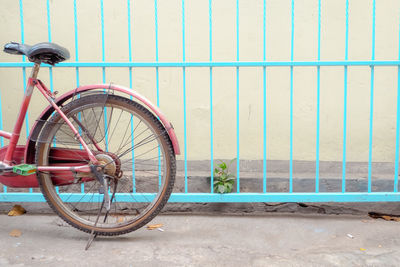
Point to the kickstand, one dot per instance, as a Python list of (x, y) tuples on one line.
[(92, 234), (91, 239)]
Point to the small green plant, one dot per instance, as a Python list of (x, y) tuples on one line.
[(223, 179)]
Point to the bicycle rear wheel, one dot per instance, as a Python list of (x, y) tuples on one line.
[(137, 154)]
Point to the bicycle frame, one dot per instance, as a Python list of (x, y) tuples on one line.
[(15, 154), (14, 136)]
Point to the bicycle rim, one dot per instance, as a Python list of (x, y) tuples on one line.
[(130, 142)]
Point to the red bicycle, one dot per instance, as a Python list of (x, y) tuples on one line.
[(102, 155)]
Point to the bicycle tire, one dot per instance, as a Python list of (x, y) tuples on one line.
[(123, 217)]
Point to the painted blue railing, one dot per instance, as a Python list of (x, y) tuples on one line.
[(265, 196)]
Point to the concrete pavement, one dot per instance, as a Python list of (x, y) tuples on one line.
[(190, 240)]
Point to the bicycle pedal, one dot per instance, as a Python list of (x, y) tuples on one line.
[(24, 169)]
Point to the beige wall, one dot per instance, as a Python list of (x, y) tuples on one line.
[(224, 82)]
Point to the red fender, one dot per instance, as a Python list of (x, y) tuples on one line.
[(37, 127)]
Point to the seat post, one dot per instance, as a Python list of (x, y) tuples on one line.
[(35, 71)]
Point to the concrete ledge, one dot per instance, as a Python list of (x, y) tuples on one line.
[(278, 182)]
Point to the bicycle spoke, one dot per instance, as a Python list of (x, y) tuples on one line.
[(126, 130), (115, 127)]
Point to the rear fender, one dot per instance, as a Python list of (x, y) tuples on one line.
[(30, 149)]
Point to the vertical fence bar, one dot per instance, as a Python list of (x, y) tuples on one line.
[(21, 14), (49, 38), (129, 40), (1, 115), (264, 102), (103, 59), (396, 161), (318, 101), (156, 37), (2, 139), (211, 98), (371, 114), (237, 101), (346, 57), (158, 89), (77, 60), (291, 104), (1, 122), (76, 44), (51, 68), (131, 86), (184, 91)]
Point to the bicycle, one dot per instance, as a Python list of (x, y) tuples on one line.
[(102, 155)]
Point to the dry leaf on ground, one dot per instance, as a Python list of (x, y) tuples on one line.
[(154, 226), (15, 233), (17, 210)]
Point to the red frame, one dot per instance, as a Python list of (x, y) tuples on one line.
[(14, 136), (15, 154)]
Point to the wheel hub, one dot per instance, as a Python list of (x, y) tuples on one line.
[(109, 163)]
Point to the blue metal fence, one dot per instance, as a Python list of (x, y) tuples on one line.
[(265, 195)]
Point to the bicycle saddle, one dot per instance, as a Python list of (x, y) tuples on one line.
[(49, 53)]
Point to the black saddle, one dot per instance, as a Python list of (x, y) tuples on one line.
[(49, 53)]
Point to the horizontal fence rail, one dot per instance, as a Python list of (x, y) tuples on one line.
[(231, 197), (343, 195), (207, 64)]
